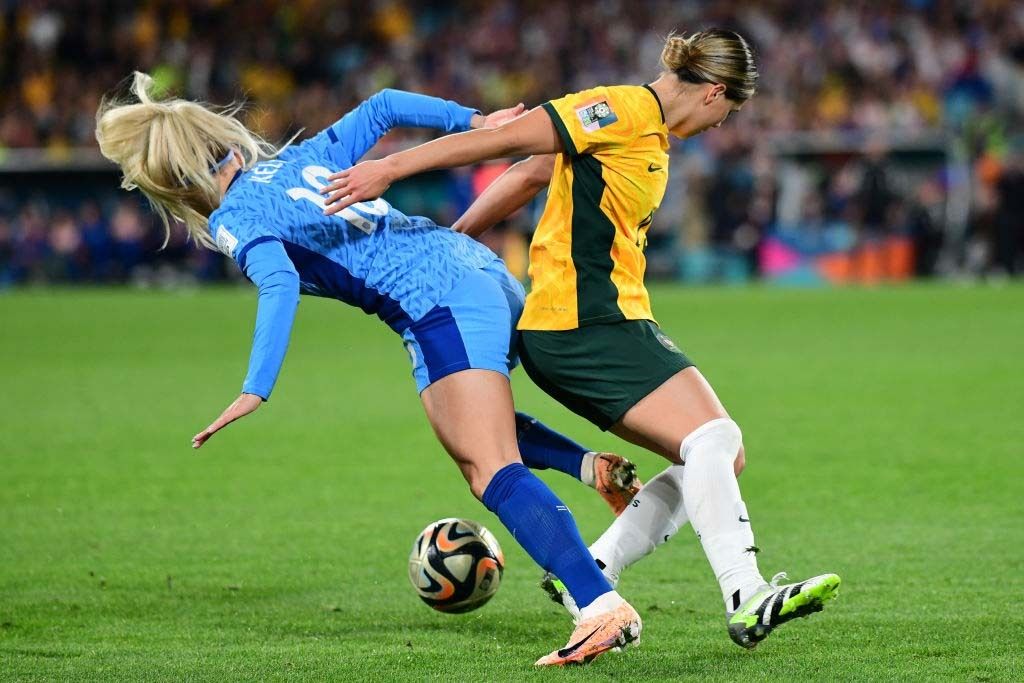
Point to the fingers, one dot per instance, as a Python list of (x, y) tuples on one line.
[(334, 187), (199, 439), (336, 183), (337, 194), (338, 201)]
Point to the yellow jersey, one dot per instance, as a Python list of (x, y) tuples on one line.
[(587, 255)]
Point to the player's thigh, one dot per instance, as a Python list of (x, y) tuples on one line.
[(637, 439), (472, 414), (463, 351), (668, 414)]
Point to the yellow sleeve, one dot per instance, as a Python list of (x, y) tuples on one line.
[(593, 121)]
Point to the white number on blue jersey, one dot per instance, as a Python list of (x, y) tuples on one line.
[(358, 215)]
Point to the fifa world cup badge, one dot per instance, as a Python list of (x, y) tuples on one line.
[(226, 242), (596, 114)]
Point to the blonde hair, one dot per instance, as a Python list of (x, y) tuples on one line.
[(169, 150), (713, 56)]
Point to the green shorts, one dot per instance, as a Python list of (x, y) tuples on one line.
[(601, 371)]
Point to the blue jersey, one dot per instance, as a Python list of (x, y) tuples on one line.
[(370, 255)]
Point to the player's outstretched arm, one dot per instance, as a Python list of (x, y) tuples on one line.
[(507, 194), (242, 406), (531, 133), (360, 129), (269, 267)]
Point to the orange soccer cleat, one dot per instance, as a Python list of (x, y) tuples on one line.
[(616, 480), (617, 628)]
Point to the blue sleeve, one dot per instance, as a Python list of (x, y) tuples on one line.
[(270, 269), (359, 130)]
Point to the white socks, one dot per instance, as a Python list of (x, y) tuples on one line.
[(587, 469), (705, 491), (605, 602), (654, 516), (712, 499)]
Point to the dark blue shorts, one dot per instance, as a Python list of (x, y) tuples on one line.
[(472, 327)]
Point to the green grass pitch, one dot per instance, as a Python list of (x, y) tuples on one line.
[(884, 433)]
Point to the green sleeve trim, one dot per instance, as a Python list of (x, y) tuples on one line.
[(563, 132)]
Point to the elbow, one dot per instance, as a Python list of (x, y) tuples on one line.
[(502, 145), (281, 283), (538, 169), (384, 94), (380, 108), (503, 142)]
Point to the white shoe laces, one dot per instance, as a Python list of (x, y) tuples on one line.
[(781, 576)]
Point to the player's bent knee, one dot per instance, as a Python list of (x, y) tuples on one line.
[(740, 463), (721, 436), (477, 485), (479, 476)]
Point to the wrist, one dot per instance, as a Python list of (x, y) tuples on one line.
[(477, 121), (392, 167)]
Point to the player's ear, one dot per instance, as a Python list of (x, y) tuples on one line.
[(713, 92)]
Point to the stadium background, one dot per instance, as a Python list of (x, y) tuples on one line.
[(885, 142), (882, 419)]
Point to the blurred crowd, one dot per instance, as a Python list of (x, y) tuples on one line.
[(863, 75)]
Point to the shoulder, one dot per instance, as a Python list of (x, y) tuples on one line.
[(635, 101), (601, 119), (607, 104), (236, 225), (318, 149), (625, 95), (229, 228)]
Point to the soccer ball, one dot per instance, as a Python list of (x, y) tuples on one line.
[(456, 565)]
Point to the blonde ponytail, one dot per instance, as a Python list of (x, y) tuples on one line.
[(713, 56), (167, 149)]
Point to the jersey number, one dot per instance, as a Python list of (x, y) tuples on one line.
[(358, 215)]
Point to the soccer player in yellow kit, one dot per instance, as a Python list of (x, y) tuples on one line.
[(588, 335)]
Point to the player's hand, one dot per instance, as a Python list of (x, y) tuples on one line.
[(365, 181), (242, 406), (495, 119)]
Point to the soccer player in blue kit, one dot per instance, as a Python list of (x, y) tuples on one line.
[(450, 298)]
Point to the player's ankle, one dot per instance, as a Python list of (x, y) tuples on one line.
[(587, 469), (603, 603)]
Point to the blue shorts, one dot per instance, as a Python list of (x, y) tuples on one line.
[(472, 327)]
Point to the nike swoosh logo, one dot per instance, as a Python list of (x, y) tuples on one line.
[(744, 520), (572, 648), (652, 168)]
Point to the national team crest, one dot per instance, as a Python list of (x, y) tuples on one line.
[(596, 114)]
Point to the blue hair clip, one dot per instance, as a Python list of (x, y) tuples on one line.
[(223, 162)]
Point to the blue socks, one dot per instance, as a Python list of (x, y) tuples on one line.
[(546, 530), (543, 448)]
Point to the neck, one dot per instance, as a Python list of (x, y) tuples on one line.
[(677, 100), (227, 174)]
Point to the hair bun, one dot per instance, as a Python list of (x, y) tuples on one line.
[(678, 52)]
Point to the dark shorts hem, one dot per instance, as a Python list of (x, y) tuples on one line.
[(601, 371)]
